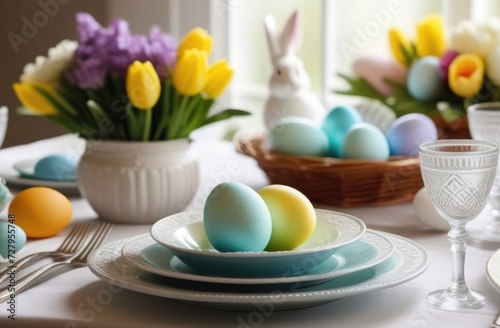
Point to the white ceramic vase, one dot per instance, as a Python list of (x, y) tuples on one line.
[(137, 182)]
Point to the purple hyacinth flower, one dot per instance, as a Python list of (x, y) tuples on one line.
[(111, 50)]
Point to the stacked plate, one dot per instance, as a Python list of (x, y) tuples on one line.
[(342, 258)]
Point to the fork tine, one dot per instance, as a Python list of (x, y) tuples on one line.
[(79, 238), (69, 238), (99, 236)]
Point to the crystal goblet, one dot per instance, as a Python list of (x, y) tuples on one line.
[(458, 175), (484, 124)]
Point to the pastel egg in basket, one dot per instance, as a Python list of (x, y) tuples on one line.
[(336, 181), (183, 234)]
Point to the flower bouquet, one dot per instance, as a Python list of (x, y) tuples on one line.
[(433, 74), (113, 85)]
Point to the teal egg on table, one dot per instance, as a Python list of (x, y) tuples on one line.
[(12, 239), (57, 167), (298, 136), (236, 219), (336, 124), (424, 81), (5, 196), (365, 141), (408, 132)]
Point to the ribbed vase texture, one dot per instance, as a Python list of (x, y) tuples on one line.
[(137, 182)]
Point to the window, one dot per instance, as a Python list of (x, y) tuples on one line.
[(334, 33)]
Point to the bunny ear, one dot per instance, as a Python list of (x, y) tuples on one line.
[(290, 36), (272, 37)]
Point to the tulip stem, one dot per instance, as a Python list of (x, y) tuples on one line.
[(147, 124)]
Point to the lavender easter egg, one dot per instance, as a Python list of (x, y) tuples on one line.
[(377, 70), (407, 133), (424, 81)]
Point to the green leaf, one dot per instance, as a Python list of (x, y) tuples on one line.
[(225, 114)]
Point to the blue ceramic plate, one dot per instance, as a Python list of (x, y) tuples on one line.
[(183, 234), (147, 255)]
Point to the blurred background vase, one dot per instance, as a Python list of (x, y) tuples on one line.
[(137, 182), (484, 124)]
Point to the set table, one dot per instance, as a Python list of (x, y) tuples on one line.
[(77, 298)]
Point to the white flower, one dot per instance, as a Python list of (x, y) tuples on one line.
[(476, 37), (493, 65), (48, 69)]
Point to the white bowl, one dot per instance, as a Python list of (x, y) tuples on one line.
[(184, 236)]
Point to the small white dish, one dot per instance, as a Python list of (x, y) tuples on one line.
[(407, 262), (183, 234), (145, 254), (493, 269)]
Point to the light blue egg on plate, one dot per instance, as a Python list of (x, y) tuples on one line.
[(236, 219), (336, 124), (298, 136), (365, 141), (12, 239), (424, 82), (407, 133), (56, 167)]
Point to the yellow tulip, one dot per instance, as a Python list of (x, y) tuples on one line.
[(143, 85), (399, 45), (430, 37), (32, 99), (218, 77), (198, 38), (466, 74), (190, 72)]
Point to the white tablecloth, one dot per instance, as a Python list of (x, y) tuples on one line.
[(72, 298)]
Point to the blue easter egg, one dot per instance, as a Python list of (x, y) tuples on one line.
[(12, 239), (365, 141), (57, 167), (336, 124), (298, 136), (424, 82), (236, 219)]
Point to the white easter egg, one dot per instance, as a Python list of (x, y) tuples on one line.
[(426, 212)]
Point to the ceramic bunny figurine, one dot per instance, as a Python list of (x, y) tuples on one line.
[(289, 84)]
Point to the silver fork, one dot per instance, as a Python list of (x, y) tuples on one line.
[(79, 260), (68, 248)]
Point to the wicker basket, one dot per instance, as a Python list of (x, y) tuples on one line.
[(337, 182)]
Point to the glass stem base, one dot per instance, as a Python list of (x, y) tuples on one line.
[(445, 299)]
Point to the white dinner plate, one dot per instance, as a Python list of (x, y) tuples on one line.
[(493, 269), (145, 254), (408, 261), (183, 234)]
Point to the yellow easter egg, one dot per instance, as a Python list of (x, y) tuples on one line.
[(41, 212), (292, 214)]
